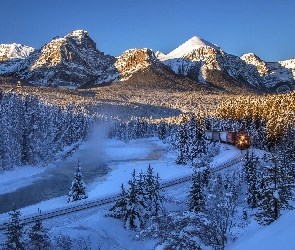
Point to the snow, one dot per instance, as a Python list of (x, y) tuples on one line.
[(187, 47), (14, 50), (278, 235), (122, 159), (19, 177), (227, 153)]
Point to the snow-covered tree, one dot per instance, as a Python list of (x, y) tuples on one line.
[(220, 210), (182, 145), (277, 183), (251, 170), (136, 208), (152, 189), (14, 232), (175, 230), (140, 202), (78, 188), (119, 210), (196, 194), (197, 145), (38, 235)]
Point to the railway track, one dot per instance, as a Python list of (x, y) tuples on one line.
[(114, 197)]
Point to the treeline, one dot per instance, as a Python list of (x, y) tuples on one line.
[(33, 132), (221, 205), (276, 110), (36, 236)]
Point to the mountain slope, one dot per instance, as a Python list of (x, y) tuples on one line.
[(205, 62), (190, 45), (70, 61), (14, 51), (278, 76), (201, 60), (73, 61)]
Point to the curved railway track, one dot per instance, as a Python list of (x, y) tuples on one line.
[(114, 197)]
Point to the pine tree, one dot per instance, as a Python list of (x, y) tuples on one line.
[(135, 214), (250, 167), (154, 198), (219, 213), (158, 199), (182, 145), (276, 188), (269, 207), (197, 145), (196, 194), (14, 232), (119, 210), (206, 174), (78, 188), (142, 195), (140, 202), (38, 235), (162, 131)]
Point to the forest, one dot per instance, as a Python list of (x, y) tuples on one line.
[(34, 128)]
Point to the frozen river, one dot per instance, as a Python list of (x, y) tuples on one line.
[(56, 180)]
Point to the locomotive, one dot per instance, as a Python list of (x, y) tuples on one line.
[(239, 139)]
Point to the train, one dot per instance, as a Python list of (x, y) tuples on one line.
[(240, 139)]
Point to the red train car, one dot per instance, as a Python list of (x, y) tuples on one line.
[(239, 139)]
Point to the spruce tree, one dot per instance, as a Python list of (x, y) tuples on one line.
[(182, 145), (162, 131), (220, 211), (276, 188), (250, 167), (269, 204), (140, 202), (154, 198), (78, 188), (192, 140), (200, 146), (38, 235), (135, 214), (196, 194), (119, 210), (14, 232)]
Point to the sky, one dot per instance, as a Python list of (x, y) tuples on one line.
[(263, 27)]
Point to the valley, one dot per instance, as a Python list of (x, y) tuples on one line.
[(137, 119)]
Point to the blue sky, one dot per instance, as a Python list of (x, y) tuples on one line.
[(264, 27)]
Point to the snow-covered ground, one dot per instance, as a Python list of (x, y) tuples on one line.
[(122, 159), (277, 236)]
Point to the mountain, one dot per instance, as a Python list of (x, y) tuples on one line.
[(70, 61), (207, 63), (192, 44), (14, 51), (73, 61), (276, 76)]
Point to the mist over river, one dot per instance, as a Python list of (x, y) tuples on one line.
[(56, 179)]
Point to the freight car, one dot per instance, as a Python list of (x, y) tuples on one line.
[(239, 139)]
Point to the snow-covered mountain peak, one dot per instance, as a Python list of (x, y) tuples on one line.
[(14, 50), (195, 43), (253, 59), (78, 33), (189, 46), (133, 60)]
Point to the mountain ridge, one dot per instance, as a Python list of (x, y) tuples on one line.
[(73, 61)]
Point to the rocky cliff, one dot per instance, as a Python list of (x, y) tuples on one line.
[(73, 61)]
